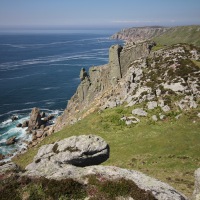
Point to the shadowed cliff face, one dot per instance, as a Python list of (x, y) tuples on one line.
[(100, 80)]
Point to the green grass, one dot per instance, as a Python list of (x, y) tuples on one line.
[(168, 150), (181, 34)]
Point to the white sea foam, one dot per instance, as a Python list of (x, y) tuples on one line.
[(20, 77), (50, 88), (52, 59)]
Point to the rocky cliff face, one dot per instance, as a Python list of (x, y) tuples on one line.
[(140, 34), (168, 77), (99, 82)]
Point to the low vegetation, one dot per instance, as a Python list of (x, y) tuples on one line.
[(180, 34), (167, 149)]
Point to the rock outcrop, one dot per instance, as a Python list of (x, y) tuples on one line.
[(60, 160), (81, 151), (160, 190), (100, 81), (35, 119), (196, 194)]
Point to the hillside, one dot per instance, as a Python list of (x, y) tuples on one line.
[(139, 34), (162, 35), (161, 140)]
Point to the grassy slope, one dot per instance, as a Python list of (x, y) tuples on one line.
[(182, 34), (168, 150)]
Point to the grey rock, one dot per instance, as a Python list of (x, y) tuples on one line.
[(114, 63), (139, 112), (158, 92), (154, 118), (151, 105), (39, 133), (130, 120), (161, 116), (81, 150), (160, 190), (178, 116), (19, 125), (35, 119), (198, 115), (165, 108), (196, 193), (25, 124), (11, 140), (83, 74), (43, 114), (14, 118), (8, 167), (193, 104)]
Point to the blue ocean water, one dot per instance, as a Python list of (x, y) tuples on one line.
[(42, 70)]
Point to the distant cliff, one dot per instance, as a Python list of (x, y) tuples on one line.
[(139, 34), (161, 35)]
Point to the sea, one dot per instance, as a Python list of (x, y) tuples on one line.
[(41, 69)]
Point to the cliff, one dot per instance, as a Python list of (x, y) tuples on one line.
[(96, 86), (139, 34), (161, 35)]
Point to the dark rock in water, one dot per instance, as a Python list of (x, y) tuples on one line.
[(50, 117), (11, 140), (14, 118), (2, 156), (43, 114), (19, 125), (35, 119), (25, 124)]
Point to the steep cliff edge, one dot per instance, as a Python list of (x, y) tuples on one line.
[(169, 78), (96, 86)]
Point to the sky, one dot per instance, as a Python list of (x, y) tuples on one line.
[(98, 13)]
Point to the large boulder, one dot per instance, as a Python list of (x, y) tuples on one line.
[(81, 151), (35, 119), (196, 194), (160, 190)]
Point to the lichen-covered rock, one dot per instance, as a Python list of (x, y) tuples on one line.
[(151, 105), (139, 112), (160, 190), (196, 194), (81, 150), (8, 167)]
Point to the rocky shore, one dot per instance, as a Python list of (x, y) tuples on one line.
[(38, 127)]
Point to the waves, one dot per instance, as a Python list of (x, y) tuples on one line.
[(75, 42), (85, 55), (42, 71)]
